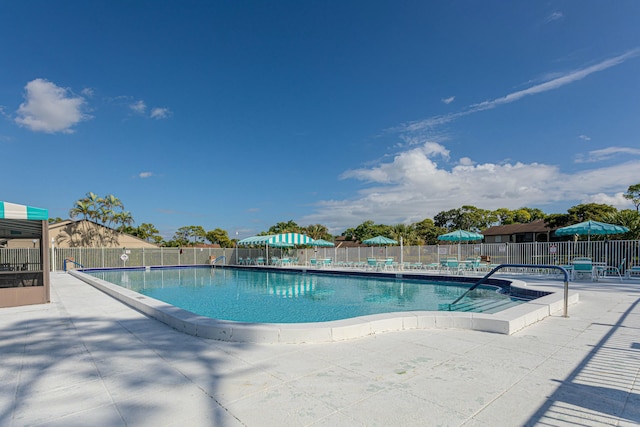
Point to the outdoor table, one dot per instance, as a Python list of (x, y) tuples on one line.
[(599, 268)]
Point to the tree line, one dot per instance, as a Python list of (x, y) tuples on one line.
[(109, 211)]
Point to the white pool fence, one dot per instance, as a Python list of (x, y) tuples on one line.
[(612, 252)]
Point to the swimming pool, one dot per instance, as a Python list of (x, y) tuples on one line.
[(249, 295)]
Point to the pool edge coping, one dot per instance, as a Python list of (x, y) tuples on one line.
[(506, 322)]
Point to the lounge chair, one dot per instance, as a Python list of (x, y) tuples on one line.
[(610, 269)]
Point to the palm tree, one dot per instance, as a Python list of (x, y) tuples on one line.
[(407, 232), (124, 218), (318, 231), (93, 201), (109, 204), (84, 208)]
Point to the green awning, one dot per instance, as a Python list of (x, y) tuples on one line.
[(255, 240), (291, 238), (14, 211)]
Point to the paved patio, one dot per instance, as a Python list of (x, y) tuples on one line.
[(86, 359)]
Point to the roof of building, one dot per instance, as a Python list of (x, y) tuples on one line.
[(342, 242), (54, 228), (537, 226)]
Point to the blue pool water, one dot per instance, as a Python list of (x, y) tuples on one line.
[(286, 297)]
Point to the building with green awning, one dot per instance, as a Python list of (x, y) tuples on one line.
[(24, 275)]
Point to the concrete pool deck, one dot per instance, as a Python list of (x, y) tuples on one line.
[(87, 359)]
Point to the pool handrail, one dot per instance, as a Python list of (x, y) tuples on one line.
[(220, 258), (557, 267), (66, 260)]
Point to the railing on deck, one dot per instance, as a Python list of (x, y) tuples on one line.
[(611, 252)]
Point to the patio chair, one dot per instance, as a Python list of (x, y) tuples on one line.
[(611, 269), (471, 264), (450, 264), (633, 271), (372, 263), (583, 267)]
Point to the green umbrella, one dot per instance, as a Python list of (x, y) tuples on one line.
[(461, 236), (322, 243), (380, 240), (591, 227)]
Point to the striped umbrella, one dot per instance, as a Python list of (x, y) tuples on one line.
[(293, 238)]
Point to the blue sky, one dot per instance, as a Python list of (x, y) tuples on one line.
[(242, 114)]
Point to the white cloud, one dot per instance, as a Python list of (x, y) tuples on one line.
[(413, 186), (49, 108), (160, 113), (607, 153), (145, 175), (584, 137), (139, 107), (555, 16), (617, 200), (553, 84), (448, 100), (87, 91)]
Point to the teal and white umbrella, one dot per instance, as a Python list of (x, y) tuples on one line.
[(293, 238), (283, 240), (280, 244)]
